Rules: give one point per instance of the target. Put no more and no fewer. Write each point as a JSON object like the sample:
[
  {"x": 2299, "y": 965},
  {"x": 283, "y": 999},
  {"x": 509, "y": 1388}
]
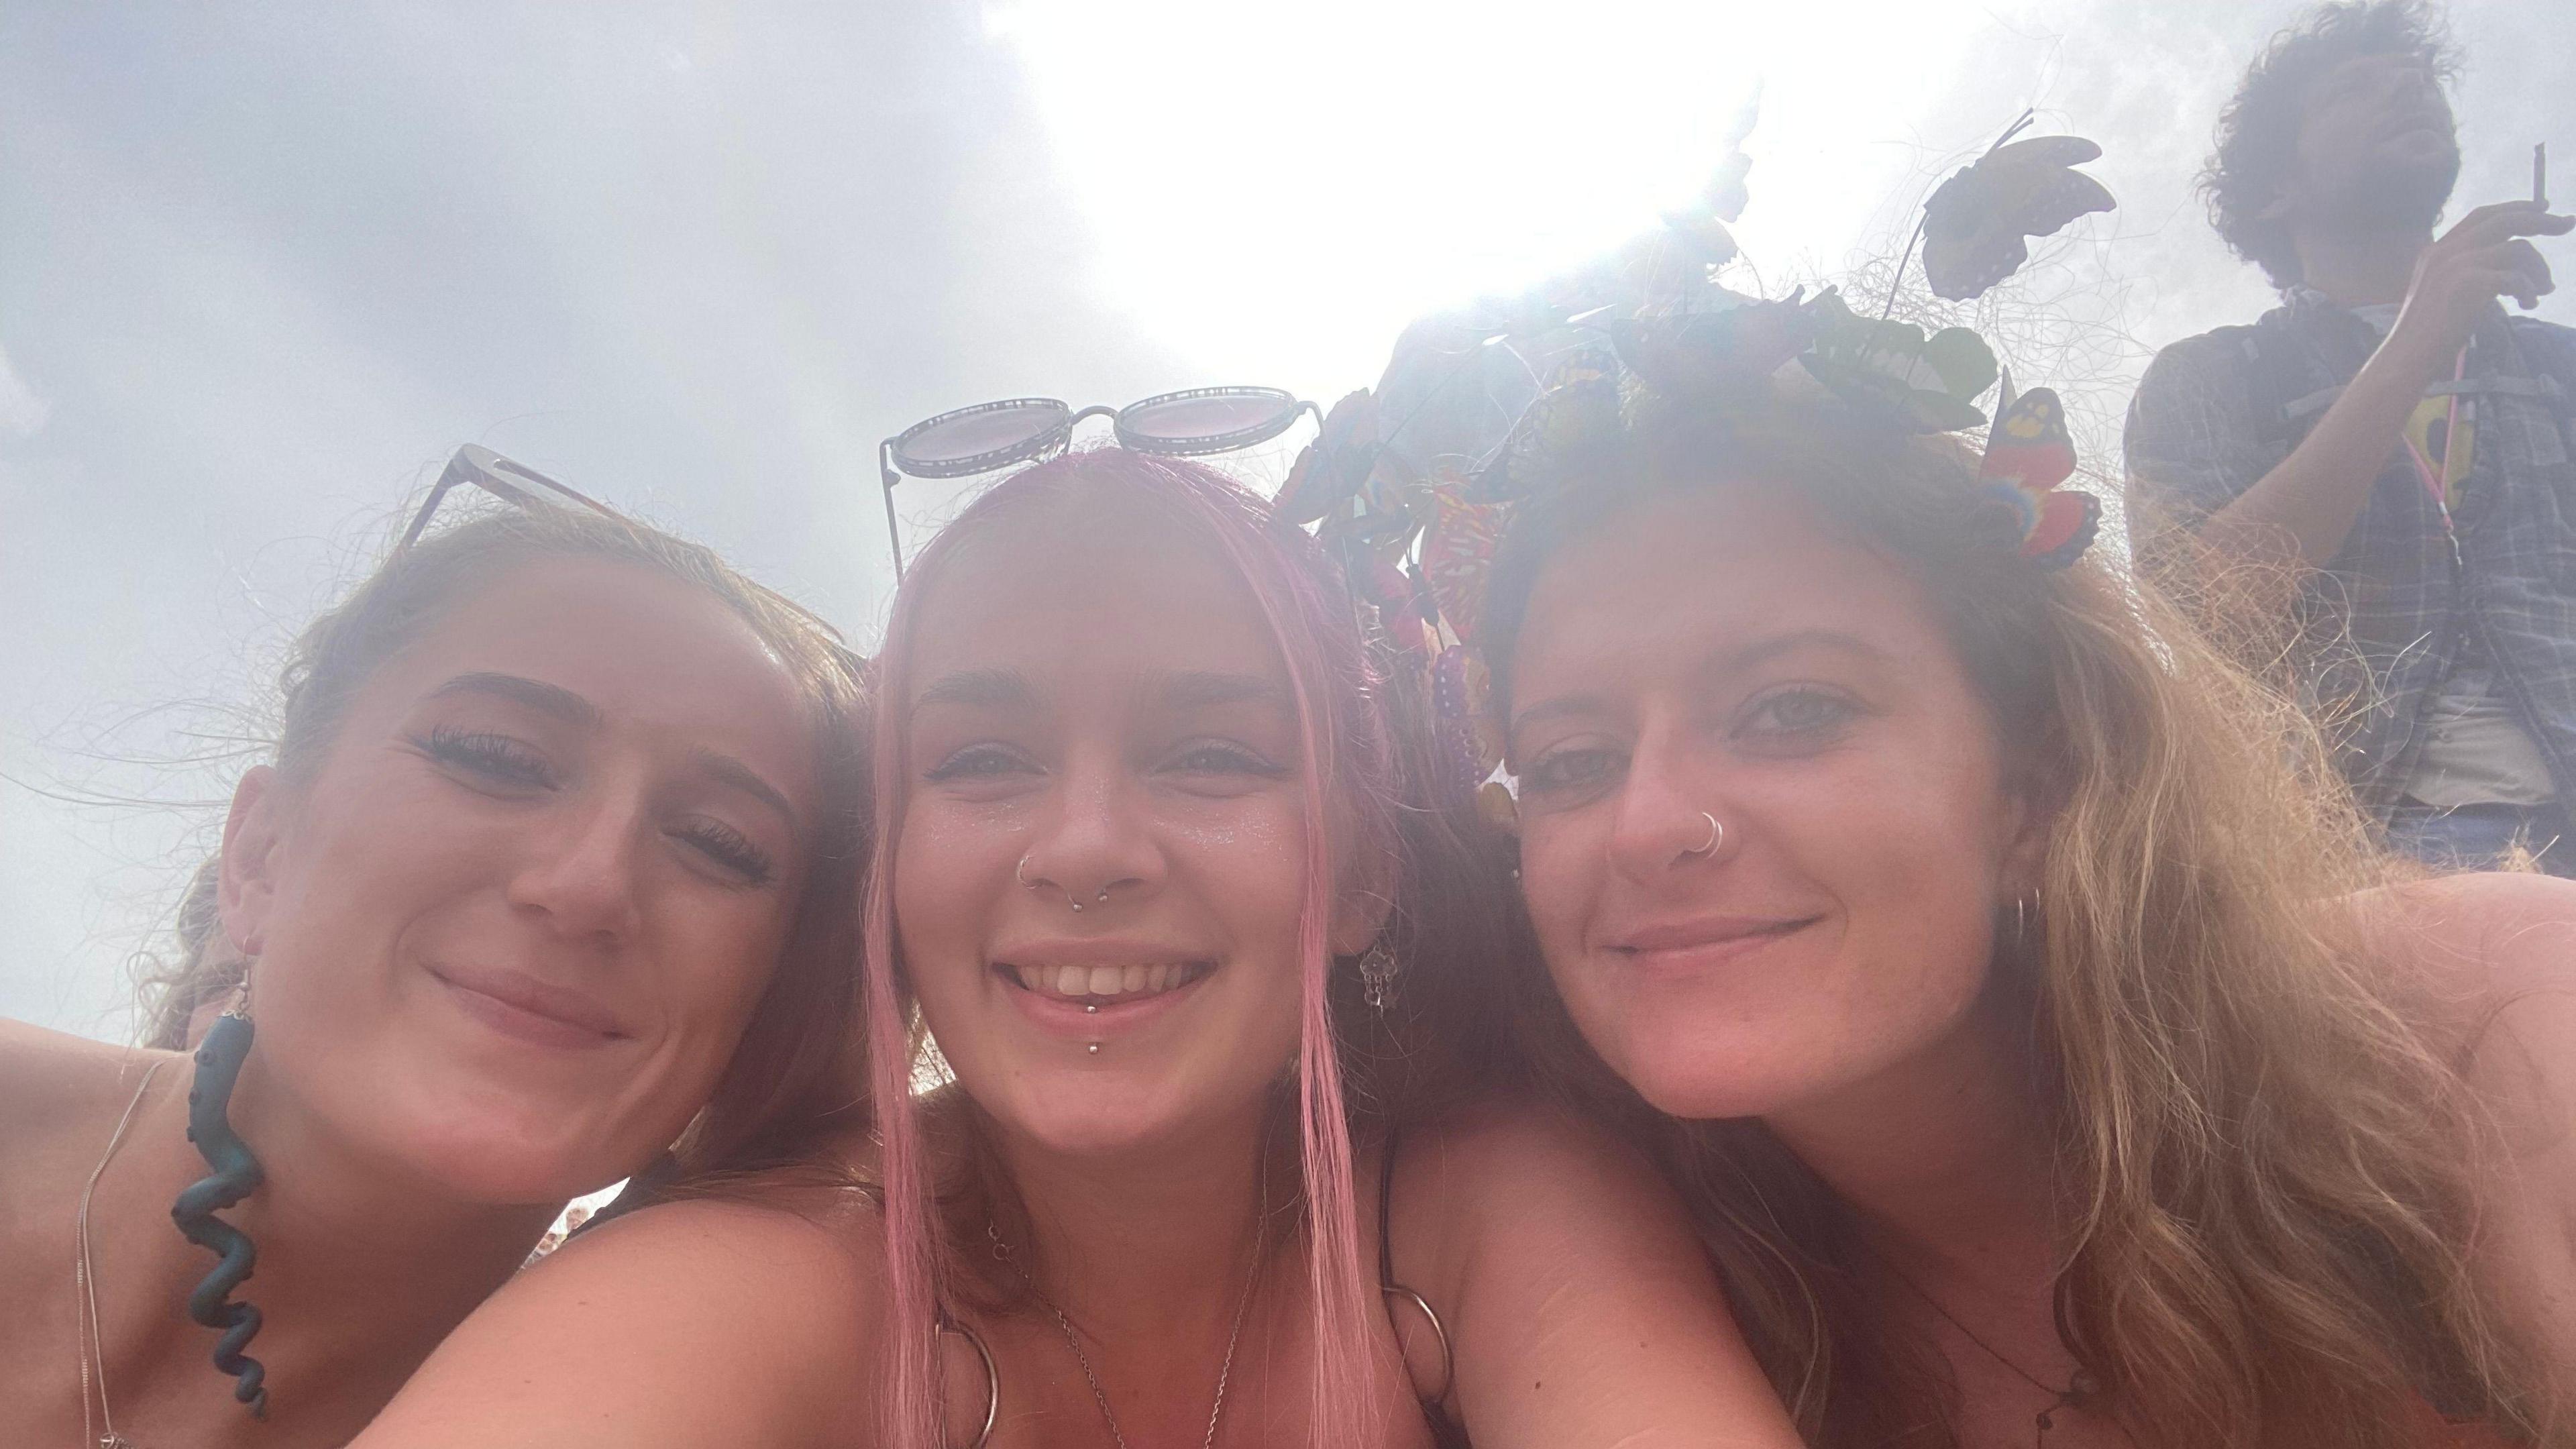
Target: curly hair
[
  {"x": 2265, "y": 1156},
  {"x": 2258, "y": 132}
]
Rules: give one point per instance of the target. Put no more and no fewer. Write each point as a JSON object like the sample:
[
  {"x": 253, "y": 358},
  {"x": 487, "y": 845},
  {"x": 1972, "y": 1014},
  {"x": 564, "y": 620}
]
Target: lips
[
  {"x": 538, "y": 1012},
  {"x": 1706, "y": 934}
]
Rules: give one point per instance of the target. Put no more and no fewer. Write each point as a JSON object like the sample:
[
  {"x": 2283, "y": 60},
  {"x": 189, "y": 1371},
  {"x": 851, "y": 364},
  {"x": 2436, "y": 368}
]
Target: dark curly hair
[{"x": 2258, "y": 133}]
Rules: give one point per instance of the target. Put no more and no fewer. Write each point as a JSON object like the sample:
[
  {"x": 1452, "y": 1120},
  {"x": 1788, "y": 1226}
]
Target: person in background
[{"x": 2389, "y": 441}]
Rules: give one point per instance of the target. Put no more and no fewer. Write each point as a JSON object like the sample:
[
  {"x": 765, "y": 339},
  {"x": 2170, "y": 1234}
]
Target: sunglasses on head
[
  {"x": 475, "y": 466},
  {"x": 995, "y": 435}
]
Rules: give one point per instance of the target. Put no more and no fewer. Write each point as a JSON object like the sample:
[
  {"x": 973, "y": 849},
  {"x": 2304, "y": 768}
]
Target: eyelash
[
  {"x": 985, "y": 761},
  {"x": 1548, "y": 773},
  {"x": 1843, "y": 710},
  {"x": 495, "y": 757},
  {"x": 731, "y": 849},
  {"x": 1233, "y": 760},
  {"x": 975, "y": 762},
  {"x": 508, "y": 762}
]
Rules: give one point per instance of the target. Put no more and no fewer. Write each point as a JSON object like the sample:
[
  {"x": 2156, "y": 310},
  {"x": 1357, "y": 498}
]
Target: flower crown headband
[{"x": 1412, "y": 485}]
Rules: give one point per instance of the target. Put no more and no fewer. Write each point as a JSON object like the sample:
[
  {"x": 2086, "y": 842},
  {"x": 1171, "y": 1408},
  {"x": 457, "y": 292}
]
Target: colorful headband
[{"x": 1410, "y": 486}]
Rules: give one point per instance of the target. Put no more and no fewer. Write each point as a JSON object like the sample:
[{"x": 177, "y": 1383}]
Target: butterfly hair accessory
[{"x": 2028, "y": 454}]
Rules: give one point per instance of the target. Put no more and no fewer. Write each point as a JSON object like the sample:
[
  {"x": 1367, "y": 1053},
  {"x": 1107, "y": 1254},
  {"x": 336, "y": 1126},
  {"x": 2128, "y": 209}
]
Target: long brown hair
[
  {"x": 2263, "y": 1149},
  {"x": 782, "y": 1080}
]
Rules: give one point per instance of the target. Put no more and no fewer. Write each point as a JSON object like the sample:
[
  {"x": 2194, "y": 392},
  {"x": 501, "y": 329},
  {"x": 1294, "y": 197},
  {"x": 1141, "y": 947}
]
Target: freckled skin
[
  {"x": 1884, "y": 827},
  {"x": 1097, "y": 784},
  {"x": 597, "y": 881}
]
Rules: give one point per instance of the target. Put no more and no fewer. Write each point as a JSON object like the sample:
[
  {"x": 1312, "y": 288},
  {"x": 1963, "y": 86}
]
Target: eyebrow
[
  {"x": 536, "y": 694},
  {"x": 978, "y": 689},
  {"x": 726, "y": 770},
  {"x": 1761, "y": 651}
]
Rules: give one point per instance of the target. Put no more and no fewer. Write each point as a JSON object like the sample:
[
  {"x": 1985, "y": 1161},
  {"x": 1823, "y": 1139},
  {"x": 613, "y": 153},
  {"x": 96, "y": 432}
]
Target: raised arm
[
  {"x": 1581, "y": 1306},
  {"x": 2187, "y": 423},
  {"x": 684, "y": 1325}
]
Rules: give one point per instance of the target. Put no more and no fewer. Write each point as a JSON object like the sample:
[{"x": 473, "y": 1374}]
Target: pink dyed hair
[{"x": 1344, "y": 735}]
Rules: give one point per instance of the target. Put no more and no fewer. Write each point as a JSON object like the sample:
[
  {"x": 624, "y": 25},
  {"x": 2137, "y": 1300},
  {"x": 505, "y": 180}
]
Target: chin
[
  {"x": 512, "y": 1151},
  {"x": 1694, "y": 1088},
  {"x": 1103, "y": 1108}
]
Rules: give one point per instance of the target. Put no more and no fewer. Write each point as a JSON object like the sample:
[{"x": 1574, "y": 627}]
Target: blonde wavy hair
[{"x": 2264, "y": 1141}]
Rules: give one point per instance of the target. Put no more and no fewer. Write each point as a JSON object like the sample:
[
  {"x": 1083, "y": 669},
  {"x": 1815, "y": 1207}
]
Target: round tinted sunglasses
[{"x": 995, "y": 435}]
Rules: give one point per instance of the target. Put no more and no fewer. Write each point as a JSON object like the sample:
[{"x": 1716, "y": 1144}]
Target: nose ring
[
  {"x": 1020, "y": 873},
  {"x": 1716, "y": 837}
]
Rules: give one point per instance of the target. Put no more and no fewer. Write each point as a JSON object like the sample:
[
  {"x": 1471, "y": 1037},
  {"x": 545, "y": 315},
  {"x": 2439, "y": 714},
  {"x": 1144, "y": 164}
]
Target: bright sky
[{"x": 266, "y": 265}]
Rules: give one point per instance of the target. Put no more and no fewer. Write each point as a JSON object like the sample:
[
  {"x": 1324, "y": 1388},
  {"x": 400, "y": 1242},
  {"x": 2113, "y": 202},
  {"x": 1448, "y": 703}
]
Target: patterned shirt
[{"x": 2217, "y": 412}]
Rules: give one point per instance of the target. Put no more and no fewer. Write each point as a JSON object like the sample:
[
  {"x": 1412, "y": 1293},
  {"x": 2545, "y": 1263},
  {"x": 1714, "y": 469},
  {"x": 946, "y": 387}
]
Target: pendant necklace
[
  {"x": 98, "y": 1432},
  {"x": 2081, "y": 1388},
  {"x": 1099, "y": 1395}
]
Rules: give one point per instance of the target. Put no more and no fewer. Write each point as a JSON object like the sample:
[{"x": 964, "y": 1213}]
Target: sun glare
[{"x": 1278, "y": 188}]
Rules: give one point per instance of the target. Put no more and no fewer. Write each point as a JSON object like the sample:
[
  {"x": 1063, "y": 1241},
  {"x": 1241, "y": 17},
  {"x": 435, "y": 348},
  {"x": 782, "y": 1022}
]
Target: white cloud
[{"x": 22, "y": 413}]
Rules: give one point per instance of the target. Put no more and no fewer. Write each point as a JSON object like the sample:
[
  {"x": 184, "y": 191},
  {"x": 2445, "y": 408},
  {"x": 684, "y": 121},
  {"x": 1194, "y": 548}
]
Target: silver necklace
[
  {"x": 1072, "y": 1340},
  {"x": 99, "y": 1432}
]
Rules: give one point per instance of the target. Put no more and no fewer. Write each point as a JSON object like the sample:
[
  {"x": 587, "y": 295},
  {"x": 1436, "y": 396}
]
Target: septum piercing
[
  {"x": 1020, "y": 873},
  {"x": 1716, "y": 837}
]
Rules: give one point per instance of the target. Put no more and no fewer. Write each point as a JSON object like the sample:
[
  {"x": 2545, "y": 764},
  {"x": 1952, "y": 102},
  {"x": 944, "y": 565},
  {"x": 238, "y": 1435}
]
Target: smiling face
[
  {"x": 1103, "y": 838},
  {"x": 2376, "y": 145},
  {"x": 512, "y": 925},
  {"x": 1716, "y": 654}
]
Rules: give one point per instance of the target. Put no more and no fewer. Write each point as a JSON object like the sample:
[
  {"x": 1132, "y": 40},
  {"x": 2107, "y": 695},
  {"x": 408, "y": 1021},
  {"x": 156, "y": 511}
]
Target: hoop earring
[
  {"x": 1377, "y": 974},
  {"x": 992, "y": 1374},
  {"x": 2022, "y": 915},
  {"x": 237, "y": 1174}
]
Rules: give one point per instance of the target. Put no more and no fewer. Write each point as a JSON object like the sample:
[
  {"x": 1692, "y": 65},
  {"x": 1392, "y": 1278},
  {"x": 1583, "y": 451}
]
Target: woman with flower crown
[
  {"x": 1162, "y": 875},
  {"x": 2044, "y": 1048}
]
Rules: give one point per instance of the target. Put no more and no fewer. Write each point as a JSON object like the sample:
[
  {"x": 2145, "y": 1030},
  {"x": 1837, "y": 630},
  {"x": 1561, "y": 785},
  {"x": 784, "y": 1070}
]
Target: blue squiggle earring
[{"x": 236, "y": 1176}]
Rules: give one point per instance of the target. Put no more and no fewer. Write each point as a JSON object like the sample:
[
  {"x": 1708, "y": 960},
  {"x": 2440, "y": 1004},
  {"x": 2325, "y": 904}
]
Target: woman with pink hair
[{"x": 1163, "y": 876}]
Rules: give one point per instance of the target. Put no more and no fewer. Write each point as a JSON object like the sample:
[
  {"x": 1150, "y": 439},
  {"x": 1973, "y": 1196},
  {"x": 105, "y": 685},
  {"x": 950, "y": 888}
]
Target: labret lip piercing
[{"x": 1020, "y": 873}]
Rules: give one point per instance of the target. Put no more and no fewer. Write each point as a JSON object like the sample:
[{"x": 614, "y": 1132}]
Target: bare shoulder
[
  {"x": 2481, "y": 939},
  {"x": 55, "y": 1085},
  {"x": 1515, "y": 1145},
  {"x": 1504, "y": 1175},
  {"x": 698, "y": 1321}
]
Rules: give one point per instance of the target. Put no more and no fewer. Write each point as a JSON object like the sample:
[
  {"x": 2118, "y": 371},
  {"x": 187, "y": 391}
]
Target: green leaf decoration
[
  {"x": 1966, "y": 364},
  {"x": 1926, "y": 385}
]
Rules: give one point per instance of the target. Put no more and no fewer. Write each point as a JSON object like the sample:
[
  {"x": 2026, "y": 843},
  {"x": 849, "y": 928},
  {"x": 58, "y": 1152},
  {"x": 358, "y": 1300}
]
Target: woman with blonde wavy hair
[{"x": 2043, "y": 1045}]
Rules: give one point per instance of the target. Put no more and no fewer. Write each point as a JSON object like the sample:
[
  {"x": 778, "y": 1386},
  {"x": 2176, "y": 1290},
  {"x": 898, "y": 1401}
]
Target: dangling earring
[
  {"x": 1377, "y": 974},
  {"x": 236, "y": 1176}
]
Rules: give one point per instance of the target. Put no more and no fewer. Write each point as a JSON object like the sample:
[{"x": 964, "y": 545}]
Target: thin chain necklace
[
  {"x": 99, "y": 1432},
  {"x": 1099, "y": 1395},
  {"x": 2081, "y": 1387}
]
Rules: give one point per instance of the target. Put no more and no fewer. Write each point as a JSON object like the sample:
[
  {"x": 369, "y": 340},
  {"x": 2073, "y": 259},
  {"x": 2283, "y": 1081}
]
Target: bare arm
[
  {"x": 685, "y": 1325},
  {"x": 2305, "y": 507},
  {"x": 1583, "y": 1310}
]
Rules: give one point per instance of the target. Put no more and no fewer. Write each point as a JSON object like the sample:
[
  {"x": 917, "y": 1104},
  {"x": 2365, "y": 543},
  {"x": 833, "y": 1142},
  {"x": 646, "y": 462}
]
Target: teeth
[{"x": 1100, "y": 981}]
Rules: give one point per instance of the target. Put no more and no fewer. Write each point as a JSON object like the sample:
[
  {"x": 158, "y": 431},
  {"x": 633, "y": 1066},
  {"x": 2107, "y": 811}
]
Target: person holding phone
[{"x": 2389, "y": 440}]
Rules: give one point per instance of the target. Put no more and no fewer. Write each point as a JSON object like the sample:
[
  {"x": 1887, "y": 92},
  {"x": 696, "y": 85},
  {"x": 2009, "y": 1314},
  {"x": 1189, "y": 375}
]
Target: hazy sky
[{"x": 263, "y": 267}]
